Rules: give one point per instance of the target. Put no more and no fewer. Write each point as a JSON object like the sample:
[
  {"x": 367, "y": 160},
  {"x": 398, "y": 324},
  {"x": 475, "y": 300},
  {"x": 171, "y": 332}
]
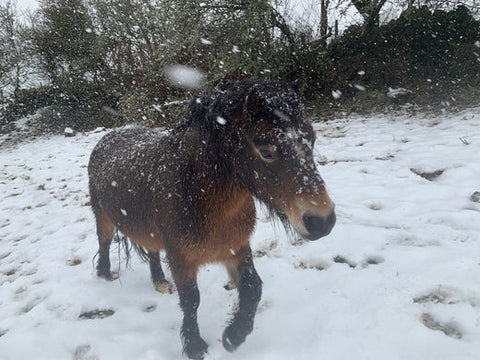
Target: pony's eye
[{"x": 267, "y": 154}]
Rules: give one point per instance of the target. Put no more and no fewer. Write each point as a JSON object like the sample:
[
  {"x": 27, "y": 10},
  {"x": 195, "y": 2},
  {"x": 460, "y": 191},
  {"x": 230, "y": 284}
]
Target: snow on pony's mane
[{"x": 227, "y": 100}]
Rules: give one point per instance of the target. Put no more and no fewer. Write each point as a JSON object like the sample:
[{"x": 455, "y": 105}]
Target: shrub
[
  {"x": 26, "y": 102},
  {"x": 416, "y": 46}
]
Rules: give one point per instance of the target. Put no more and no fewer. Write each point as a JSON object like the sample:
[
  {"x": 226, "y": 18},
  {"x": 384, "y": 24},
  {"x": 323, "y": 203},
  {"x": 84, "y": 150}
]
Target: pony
[{"x": 190, "y": 192}]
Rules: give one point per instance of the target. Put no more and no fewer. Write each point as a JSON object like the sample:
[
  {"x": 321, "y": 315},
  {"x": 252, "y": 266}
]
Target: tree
[
  {"x": 15, "y": 66},
  {"x": 472, "y": 5},
  {"x": 66, "y": 43},
  {"x": 324, "y": 21},
  {"x": 224, "y": 39},
  {"x": 130, "y": 34},
  {"x": 246, "y": 37},
  {"x": 370, "y": 10}
]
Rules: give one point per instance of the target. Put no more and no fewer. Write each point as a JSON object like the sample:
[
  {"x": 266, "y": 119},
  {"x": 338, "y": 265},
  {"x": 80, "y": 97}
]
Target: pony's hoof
[
  {"x": 197, "y": 349},
  {"x": 231, "y": 341},
  {"x": 110, "y": 276},
  {"x": 230, "y": 286},
  {"x": 164, "y": 287},
  {"x": 227, "y": 343}
]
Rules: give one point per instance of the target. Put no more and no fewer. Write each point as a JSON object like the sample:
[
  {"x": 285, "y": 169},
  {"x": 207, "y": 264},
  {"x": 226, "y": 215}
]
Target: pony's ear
[
  {"x": 299, "y": 85},
  {"x": 253, "y": 104}
]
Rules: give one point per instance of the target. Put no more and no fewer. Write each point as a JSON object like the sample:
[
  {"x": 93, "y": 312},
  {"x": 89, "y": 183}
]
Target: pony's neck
[{"x": 217, "y": 160}]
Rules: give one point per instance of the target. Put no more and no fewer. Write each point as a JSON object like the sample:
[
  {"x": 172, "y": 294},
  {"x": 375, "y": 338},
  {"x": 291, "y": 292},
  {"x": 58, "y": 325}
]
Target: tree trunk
[
  {"x": 324, "y": 22},
  {"x": 370, "y": 10}
]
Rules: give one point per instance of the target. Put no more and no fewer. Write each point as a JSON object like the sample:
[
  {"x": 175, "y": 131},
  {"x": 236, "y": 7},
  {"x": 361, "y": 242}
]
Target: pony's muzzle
[{"x": 318, "y": 226}]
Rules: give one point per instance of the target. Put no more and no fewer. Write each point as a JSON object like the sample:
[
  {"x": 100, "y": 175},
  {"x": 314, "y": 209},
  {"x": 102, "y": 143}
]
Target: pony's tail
[{"x": 127, "y": 247}]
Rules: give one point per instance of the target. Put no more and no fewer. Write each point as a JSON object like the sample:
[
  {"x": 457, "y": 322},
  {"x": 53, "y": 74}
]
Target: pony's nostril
[
  {"x": 313, "y": 223},
  {"x": 318, "y": 226}
]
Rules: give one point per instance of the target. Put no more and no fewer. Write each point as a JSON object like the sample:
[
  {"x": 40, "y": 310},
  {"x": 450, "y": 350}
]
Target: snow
[
  {"x": 398, "y": 273},
  {"x": 337, "y": 94},
  {"x": 221, "y": 120},
  {"x": 394, "y": 93},
  {"x": 184, "y": 76}
]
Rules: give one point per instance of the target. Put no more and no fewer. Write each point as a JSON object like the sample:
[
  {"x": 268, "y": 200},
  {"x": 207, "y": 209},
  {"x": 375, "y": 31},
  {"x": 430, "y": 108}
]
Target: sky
[
  {"x": 304, "y": 11},
  {"x": 299, "y": 11},
  {"x": 24, "y": 4}
]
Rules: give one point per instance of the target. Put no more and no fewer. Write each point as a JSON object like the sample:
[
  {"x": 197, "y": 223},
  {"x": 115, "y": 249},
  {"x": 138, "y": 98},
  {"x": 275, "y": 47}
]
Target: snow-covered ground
[{"x": 398, "y": 278}]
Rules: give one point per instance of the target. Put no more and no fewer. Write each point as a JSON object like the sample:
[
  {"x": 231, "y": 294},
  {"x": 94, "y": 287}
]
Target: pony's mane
[{"x": 228, "y": 99}]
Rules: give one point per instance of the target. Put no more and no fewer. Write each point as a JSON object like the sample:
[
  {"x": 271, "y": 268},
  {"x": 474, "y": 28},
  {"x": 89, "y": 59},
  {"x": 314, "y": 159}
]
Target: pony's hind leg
[
  {"x": 158, "y": 277},
  {"x": 234, "y": 280},
  {"x": 249, "y": 287},
  {"x": 105, "y": 232}
]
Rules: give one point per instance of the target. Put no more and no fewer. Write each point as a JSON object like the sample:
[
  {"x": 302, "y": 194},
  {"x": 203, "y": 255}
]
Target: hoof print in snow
[
  {"x": 267, "y": 246},
  {"x": 297, "y": 241},
  {"x": 149, "y": 308},
  {"x": 343, "y": 260},
  {"x": 436, "y": 297},
  {"x": 475, "y": 197},
  {"x": 449, "y": 329},
  {"x": 29, "y": 306},
  {"x": 3, "y": 332},
  {"x": 428, "y": 175},
  {"x": 260, "y": 253},
  {"x": 84, "y": 352},
  {"x": 375, "y": 205},
  {"x": 74, "y": 262},
  {"x": 10, "y": 272},
  {"x": 373, "y": 260},
  {"x": 385, "y": 158},
  {"x": 4, "y": 256},
  {"x": 316, "y": 266},
  {"x": 96, "y": 314}
]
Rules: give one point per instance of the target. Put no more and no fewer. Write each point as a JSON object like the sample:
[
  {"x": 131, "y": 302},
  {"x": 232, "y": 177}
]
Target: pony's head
[{"x": 277, "y": 155}]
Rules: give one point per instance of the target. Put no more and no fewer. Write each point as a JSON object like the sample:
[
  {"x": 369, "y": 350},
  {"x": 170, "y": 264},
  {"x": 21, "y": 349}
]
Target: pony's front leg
[
  {"x": 249, "y": 287},
  {"x": 185, "y": 279},
  {"x": 193, "y": 345}
]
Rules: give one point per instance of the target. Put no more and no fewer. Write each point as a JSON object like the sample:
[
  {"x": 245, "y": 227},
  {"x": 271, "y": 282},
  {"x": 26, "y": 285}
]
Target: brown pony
[{"x": 191, "y": 192}]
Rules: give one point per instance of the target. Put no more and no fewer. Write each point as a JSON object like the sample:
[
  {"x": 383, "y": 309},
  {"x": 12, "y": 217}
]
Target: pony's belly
[{"x": 148, "y": 239}]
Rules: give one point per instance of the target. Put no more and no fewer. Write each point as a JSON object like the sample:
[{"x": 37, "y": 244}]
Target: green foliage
[
  {"x": 26, "y": 101},
  {"x": 87, "y": 109},
  {"x": 429, "y": 42},
  {"x": 226, "y": 40},
  {"x": 419, "y": 45},
  {"x": 138, "y": 108},
  {"x": 105, "y": 59},
  {"x": 15, "y": 55},
  {"x": 65, "y": 41}
]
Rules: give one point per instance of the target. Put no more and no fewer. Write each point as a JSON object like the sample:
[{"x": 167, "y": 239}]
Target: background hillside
[{"x": 89, "y": 63}]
